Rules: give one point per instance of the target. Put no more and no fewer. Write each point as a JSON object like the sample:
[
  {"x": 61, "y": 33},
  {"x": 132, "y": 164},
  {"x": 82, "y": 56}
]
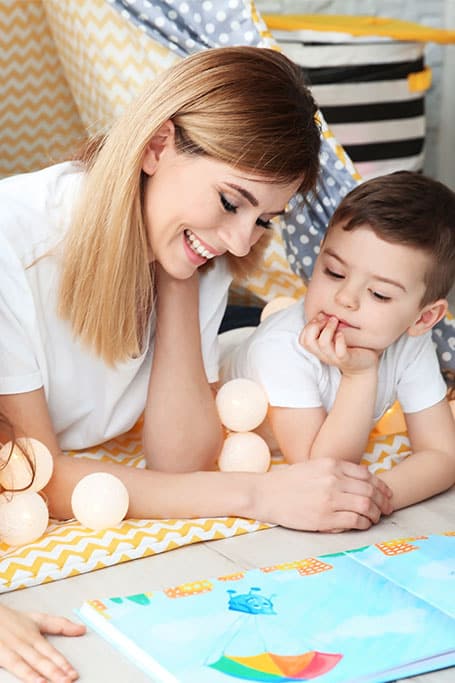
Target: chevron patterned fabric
[{"x": 39, "y": 121}]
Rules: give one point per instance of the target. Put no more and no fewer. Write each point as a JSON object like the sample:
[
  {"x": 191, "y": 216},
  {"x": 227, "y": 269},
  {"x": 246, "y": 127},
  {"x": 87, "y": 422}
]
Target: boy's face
[{"x": 374, "y": 288}]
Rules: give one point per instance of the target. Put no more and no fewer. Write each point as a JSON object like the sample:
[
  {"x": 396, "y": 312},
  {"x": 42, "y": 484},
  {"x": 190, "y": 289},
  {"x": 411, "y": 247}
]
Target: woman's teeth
[{"x": 196, "y": 246}]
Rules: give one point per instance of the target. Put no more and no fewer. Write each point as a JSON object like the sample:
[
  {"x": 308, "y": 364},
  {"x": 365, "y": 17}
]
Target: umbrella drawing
[{"x": 268, "y": 666}]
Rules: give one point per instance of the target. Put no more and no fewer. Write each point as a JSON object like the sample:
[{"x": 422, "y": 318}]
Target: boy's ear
[
  {"x": 429, "y": 316},
  {"x": 163, "y": 138}
]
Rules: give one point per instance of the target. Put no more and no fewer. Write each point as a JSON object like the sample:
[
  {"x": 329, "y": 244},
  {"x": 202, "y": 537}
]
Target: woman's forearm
[
  {"x": 182, "y": 431},
  {"x": 314, "y": 496}
]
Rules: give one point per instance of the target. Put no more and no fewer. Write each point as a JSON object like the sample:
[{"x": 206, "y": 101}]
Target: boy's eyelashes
[
  {"x": 332, "y": 273},
  {"x": 380, "y": 297},
  {"x": 339, "y": 276},
  {"x": 232, "y": 208}
]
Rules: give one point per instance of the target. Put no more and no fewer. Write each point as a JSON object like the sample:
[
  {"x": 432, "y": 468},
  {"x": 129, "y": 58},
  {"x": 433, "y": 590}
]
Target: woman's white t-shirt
[
  {"x": 294, "y": 378},
  {"x": 89, "y": 402}
]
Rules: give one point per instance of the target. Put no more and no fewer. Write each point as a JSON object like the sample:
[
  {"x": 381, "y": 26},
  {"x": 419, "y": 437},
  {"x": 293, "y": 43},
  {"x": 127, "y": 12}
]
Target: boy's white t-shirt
[
  {"x": 294, "y": 378},
  {"x": 89, "y": 402}
]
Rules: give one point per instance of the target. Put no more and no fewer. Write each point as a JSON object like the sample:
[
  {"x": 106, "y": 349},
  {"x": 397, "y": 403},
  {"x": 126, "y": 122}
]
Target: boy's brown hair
[{"x": 411, "y": 209}]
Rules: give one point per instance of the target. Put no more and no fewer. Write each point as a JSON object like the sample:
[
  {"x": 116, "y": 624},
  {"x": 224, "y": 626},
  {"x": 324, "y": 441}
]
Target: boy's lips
[{"x": 341, "y": 322}]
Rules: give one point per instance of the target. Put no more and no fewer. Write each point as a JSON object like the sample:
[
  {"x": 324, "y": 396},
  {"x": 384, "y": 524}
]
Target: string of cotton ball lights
[
  {"x": 242, "y": 406},
  {"x": 99, "y": 500},
  {"x": 23, "y": 513}
]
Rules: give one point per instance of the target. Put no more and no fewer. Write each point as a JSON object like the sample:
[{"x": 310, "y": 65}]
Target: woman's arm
[
  {"x": 182, "y": 430},
  {"x": 25, "y": 652},
  {"x": 431, "y": 467},
  {"x": 313, "y": 496}
]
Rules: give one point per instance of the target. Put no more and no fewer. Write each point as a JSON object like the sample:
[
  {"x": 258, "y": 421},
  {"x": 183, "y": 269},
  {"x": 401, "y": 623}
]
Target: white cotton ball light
[
  {"x": 17, "y": 473},
  {"x": 99, "y": 501},
  {"x": 242, "y": 404},
  {"x": 277, "y": 304},
  {"x": 23, "y": 517},
  {"x": 244, "y": 452}
]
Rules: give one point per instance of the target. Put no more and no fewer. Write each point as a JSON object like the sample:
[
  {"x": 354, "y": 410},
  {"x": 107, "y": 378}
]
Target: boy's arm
[
  {"x": 303, "y": 433},
  {"x": 431, "y": 467},
  {"x": 343, "y": 433}
]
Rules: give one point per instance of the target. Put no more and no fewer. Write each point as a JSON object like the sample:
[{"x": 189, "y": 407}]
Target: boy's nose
[{"x": 347, "y": 297}]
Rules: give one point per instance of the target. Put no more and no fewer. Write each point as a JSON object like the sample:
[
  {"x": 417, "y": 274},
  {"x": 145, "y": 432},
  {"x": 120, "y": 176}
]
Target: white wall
[{"x": 440, "y": 100}]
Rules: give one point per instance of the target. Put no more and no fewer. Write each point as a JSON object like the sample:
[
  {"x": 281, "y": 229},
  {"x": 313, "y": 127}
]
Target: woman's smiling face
[{"x": 197, "y": 208}]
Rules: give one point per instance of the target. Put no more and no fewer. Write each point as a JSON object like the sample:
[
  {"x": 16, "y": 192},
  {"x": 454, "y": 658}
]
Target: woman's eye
[
  {"x": 227, "y": 206},
  {"x": 332, "y": 273},
  {"x": 380, "y": 297},
  {"x": 264, "y": 224}
]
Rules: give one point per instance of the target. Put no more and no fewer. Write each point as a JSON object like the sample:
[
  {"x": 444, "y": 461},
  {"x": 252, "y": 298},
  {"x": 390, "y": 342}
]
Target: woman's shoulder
[
  {"x": 39, "y": 179},
  {"x": 35, "y": 205}
]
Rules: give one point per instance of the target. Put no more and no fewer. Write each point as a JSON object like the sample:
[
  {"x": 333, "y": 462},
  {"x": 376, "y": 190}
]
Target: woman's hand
[
  {"x": 25, "y": 652},
  {"x": 322, "y": 495},
  {"x": 322, "y": 338}
]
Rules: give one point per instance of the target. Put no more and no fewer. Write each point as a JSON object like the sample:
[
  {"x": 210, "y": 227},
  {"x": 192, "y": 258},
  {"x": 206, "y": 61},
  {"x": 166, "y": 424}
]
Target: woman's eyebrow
[
  {"x": 252, "y": 199},
  {"x": 248, "y": 196}
]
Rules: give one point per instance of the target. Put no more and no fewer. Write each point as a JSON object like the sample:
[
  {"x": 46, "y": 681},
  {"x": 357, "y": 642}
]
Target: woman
[
  {"x": 115, "y": 272},
  {"x": 24, "y": 651}
]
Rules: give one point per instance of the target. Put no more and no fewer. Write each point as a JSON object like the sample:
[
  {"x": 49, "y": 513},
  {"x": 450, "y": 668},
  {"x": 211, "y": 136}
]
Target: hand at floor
[{"x": 25, "y": 652}]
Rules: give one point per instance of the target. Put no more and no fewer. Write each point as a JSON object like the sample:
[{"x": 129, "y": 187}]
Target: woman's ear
[
  {"x": 429, "y": 316},
  {"x": 162, "y": 139}
]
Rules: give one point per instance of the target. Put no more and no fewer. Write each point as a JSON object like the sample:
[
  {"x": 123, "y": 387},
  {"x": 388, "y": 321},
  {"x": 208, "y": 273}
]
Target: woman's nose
[{"x": 239, "y": 238}]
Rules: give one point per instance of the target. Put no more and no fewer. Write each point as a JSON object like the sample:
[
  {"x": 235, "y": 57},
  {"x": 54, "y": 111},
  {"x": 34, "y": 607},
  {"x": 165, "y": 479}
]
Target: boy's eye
[
  {"x": 227, "y": 206},
  {"x": 332, "y": 273},
  {"x": 264, "y": 224},
  {"x": 380, "y": 297}
]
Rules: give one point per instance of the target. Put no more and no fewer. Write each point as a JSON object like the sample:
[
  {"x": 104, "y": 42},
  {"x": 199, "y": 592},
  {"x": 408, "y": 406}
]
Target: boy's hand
[{"x": 321, "y": 338}]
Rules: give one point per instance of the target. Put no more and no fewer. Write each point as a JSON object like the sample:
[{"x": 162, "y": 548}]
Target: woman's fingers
[
  {"x": 375, "y": 487},
  {"x": 323, "y": 495}
]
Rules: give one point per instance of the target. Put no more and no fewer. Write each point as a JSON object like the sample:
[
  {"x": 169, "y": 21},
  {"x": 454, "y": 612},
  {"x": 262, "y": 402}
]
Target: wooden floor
[{"x": 97, "y": 662}]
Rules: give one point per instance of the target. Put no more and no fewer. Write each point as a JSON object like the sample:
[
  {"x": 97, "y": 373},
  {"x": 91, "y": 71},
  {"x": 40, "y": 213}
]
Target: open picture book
[{"x": 376, "y": 613}]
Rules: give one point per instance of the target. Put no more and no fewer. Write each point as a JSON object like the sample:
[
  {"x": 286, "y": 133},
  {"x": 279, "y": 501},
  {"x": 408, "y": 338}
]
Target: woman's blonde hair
[{"x": 245, "y": 106}]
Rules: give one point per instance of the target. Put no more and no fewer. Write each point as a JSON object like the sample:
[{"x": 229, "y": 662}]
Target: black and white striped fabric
[{"x": 362, "y": 87}]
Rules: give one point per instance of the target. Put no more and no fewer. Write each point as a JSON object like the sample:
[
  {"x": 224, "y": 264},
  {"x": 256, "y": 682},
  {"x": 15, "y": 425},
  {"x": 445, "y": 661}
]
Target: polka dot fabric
[{"x": 188, "y": 26}]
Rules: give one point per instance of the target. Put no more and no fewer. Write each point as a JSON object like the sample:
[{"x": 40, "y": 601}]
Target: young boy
[{"x": 379, "y": 285}]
